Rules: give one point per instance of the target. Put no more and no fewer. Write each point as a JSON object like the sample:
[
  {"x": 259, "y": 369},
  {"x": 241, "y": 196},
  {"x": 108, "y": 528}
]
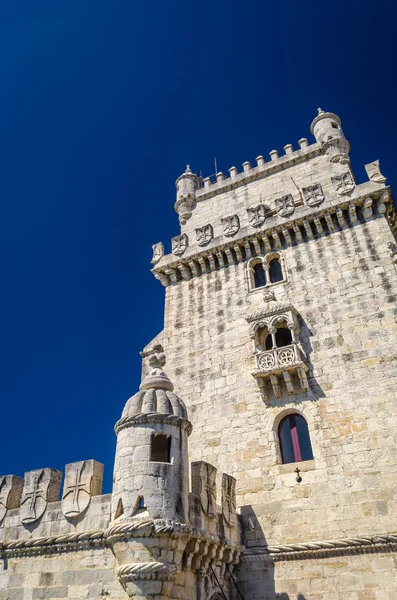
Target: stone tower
[
  {"x": 151, "y": 471},
  {"x": 280, "y": 334}
]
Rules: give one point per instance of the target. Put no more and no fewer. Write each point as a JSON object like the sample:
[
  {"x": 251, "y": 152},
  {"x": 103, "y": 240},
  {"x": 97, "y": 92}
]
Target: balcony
[{"x": 281, "y": 362}]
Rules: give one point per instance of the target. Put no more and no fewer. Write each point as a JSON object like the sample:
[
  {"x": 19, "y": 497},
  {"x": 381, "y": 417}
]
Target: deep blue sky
[{"x": 102, "y": 104}]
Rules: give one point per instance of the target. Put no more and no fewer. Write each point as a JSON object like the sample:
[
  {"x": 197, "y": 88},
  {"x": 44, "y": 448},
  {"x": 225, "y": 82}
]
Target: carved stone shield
[
  {"x": 40, "y": 487},
  {"x": 231, "y": 225},
  {"x": 82, "y": 480},
  {"x": 285, "y": 205},
  {"x": 179, "y": 244},
  {"x": 204, "y": 235},
  {"x": 158, "y": 252},
  {"x": 10, "y": 493},
  {"x": 344, "y": 183},
  {"x": 256, "y": 215},
  {"x": 204, "y": 486},
  {"x": 313, "y": 194},
  {"x": 229, "y": 499}
]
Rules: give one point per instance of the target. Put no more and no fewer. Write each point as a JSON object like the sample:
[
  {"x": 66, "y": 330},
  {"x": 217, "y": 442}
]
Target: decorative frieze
[{"x": 288, "y": 234}]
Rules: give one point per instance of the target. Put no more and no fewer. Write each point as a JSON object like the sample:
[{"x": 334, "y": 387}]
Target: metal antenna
[{"x": 216, "y": 166}]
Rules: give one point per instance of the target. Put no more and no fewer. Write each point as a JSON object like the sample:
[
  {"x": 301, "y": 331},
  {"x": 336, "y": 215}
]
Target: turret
[
  {"x": 151, "y": 465},
  {"x": 327, "y": 130},
  {"x": 187, "y": 185}
]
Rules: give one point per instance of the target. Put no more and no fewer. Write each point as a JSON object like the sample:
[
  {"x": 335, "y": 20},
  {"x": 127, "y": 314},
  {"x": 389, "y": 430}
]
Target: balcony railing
[{"x": 279, "y": 359}]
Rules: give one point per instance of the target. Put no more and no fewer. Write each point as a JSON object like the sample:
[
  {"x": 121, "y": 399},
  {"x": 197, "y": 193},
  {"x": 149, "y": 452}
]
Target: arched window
[
  {"x": 275, "y": 271},
  {"x": 160, "y": 450},
  {"x": 259, "y": 275},
  {"x": 283, "y": 337},
  {"x": 293, "y": 434}
]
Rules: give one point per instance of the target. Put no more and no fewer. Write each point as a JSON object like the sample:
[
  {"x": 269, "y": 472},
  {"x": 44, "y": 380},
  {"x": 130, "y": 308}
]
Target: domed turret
[
  {"x": 151, "y": 465},
  {"x": 327, "y": 130},
  {"x": 187, "y": 185}
]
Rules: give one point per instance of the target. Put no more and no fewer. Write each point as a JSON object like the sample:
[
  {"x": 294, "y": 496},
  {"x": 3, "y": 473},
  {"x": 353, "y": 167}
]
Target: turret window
[
  {"x": 265, "y": 270},
  {"x": 160, "y": 448},
  {"x": 275, "y": 271},
  {"x": 294, "y": 438},
  {"x": 259, "y": 275}
]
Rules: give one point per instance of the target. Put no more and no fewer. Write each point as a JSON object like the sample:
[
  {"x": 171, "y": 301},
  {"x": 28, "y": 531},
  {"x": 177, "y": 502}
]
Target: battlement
[
  {"x": 303, "y": 194},
  {"x": 30, "y": 508},
  {"x": 262, "y": 169}
]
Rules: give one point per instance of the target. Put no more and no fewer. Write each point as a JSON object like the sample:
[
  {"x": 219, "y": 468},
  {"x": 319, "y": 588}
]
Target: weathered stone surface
[{"x": 317, "y": 528}]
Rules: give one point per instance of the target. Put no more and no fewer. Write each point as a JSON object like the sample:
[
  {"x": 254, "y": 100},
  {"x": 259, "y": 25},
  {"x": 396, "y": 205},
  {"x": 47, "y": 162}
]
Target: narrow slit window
[
  {"x": 259, "y": 275},
  {"x": 275, "y": 271},
  {"x": 294, "y": 437},
  {"x": 160, "y": 448}
]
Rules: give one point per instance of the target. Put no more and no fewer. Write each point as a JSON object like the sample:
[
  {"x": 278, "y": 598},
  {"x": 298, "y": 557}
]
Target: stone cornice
[
  {"x": 347, "y": 211},
  {"x": 154, "y": 417},
  {"x": 100, "y": 538},
  {"x": 357, "y": 545}
]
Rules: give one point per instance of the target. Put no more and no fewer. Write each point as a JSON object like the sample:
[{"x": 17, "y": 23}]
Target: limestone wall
[
  {"x": 74, "y": 570},
  {"x": 344, "y": 288}
]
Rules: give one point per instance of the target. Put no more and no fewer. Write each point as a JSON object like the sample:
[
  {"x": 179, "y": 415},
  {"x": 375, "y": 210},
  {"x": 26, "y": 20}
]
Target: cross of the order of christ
[{"x": 76, "y": 487}]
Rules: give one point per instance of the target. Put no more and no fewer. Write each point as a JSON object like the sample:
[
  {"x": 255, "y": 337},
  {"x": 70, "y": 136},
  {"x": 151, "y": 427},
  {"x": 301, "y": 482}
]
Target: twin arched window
[
  {"x": 294, "y": 438},
  {"x": 264, "y": 271}
]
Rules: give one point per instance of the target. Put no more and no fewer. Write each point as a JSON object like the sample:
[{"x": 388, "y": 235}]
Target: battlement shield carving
[
  {"x": 204, "y": 486},
  {"x": 158, "y": 252},
  {"x": 344, "y": 183},
  {"x": 229, "y": 499},
  {"x": 231, "y": 225},
  {"x": 204, "y": 235},
  {"x": 82, "y": 481},
  {"x": 313, "y": 194},
  {"x": 256, "y": 215},
  {"x": 10, "y": 493},
  {"x": 40, "y": 487},
  {"x": 179, "y": 244},
  {"x": 285, "y": 205}
]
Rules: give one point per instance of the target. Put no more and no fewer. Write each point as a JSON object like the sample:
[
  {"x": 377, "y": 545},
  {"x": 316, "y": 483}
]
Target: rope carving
[
  {"x": 148, "y": 570},
  {"x": 330, "y": 545}
]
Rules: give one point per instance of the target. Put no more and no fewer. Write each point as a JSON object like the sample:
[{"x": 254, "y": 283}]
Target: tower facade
[
  {"x": 280, "y": 334},
  {"x": 270, "y": 471}
]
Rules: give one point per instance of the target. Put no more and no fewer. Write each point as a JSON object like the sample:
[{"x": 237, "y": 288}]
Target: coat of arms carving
[
  {"x": 204, "y": 486},
  {"x": 82, "y": 481},
  {"x": 10, "y": 493},
  {"x": 229, "y": 499},
  {"x": 231, "y": 225},
  {"x": 313, "y": 194},
  {"x": 344, "y": 183},
  {"x": 179, "y": 244},
  {"x": 285, "y": 205},
  {"x": 158, "y": 252},
  {"x": 256, "y": 215},
  {"x": 204, "y": 235},
  {"x": 40, "y": 487}
]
